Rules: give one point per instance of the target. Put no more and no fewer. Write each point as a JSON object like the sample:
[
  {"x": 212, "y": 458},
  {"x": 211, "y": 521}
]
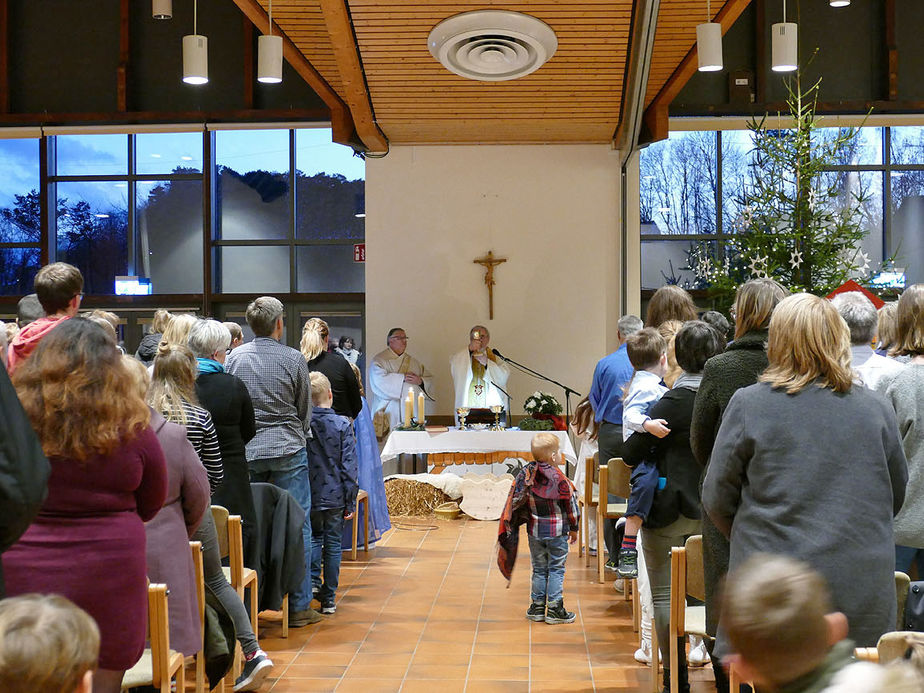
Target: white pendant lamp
[
  {"x": 195, "y": 54},
  {"x": 838, "y": 3},
  {"x": 269, "y": 55},
  {"x": 162, "y": 9},
  {"x": 709, "y": 43},
  {"x": 784, "y": 46}
]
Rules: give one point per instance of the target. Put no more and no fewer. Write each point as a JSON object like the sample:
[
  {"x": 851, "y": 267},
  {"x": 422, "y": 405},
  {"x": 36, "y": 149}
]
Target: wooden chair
[
  {"x": 734, "y": 680},
  {"x": 362, "y": 499},
  {"x": 902, "y": 587},
  {"x": 195, "y": 548},
  {"x": 159, "y": 665},
  {"x": 587, "y": 500},
  {"x": 686, "y": 578},
  {"x": 614, "y": 479},
  {"x": 231, "y": 544}
]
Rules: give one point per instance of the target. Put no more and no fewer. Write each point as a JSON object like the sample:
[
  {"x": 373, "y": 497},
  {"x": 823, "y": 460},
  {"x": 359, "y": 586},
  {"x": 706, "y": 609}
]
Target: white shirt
[
  {"x": 645, "y": 389},
  {"x": 876, "y": 372}
]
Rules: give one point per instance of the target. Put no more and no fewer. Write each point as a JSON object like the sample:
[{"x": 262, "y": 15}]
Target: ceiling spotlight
[
  {"x": 709, "y": 43},
  {"x": 269, "y": 55},
  {"x": 195, "y": 54},
  {"x": 162, "y": 9},
  {"x": 838, "y": 3},
  {"x": 784, "y": 45}
]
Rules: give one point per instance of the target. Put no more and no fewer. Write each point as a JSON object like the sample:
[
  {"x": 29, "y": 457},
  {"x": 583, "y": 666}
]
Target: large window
[
  {"x": 281, "y": 209},
  {"x": 692, "y": 184}
]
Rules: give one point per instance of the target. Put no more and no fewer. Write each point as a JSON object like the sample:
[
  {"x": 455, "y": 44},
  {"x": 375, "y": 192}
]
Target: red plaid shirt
[{"x": 552, "y": 518}]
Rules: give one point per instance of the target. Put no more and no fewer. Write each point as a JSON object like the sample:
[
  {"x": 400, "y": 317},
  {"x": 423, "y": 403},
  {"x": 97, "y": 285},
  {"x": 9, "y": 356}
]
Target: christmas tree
[{"x": 797, "y": 224}]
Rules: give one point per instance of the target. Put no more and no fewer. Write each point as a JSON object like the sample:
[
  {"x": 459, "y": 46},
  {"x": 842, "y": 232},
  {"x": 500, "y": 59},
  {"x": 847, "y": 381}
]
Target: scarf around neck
[
  {"x": 209, "y": 366},
  {"x": 690, "y": 381}
]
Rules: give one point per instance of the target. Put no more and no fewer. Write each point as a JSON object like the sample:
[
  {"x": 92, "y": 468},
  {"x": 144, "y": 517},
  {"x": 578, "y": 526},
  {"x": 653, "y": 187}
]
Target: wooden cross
[{"x": 489, "y": 261}]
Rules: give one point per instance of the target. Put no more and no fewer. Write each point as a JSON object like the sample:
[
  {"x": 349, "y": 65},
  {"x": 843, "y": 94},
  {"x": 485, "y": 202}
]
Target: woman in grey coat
[{"x": 808, "y": 466}]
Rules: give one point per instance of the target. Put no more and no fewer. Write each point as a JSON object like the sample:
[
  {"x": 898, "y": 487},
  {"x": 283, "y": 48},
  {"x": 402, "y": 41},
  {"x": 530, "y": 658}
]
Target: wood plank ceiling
[{"x": 575, "y": 97}]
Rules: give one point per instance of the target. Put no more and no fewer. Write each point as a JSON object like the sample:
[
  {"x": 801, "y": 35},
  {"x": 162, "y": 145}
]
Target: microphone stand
[{"x": 540, "y": 376}]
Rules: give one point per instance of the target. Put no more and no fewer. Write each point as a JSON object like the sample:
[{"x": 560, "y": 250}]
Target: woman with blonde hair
[
  {"x": 668, "y": 330},
  {"x": 739, "y": 366},
  {"x": 670, "y": 302},
  {"x": 808, "y": 465},
  {"x": 344, "y": 385},
  {"x": 108, "y": 477},
  {"x": 905, "y": 393},
  {"x": 173, "y": 394}
]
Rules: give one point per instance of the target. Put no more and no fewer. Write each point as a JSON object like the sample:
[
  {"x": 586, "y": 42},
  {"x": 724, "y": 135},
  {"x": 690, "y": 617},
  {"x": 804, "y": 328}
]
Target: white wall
[{"x": 550, "y": 210}]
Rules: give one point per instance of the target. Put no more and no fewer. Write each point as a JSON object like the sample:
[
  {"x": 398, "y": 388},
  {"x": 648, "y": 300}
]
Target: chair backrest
[
  {"x": 696, "y": 584},
  {"x": 159, "y": 633},
  {"x": 220, "y": 516},
  {"x": 195, "y": 548},
  {"x": 618, "y": 475},
  {"x": 590, "y": 468},
  {"x": 902, "y": 587}
]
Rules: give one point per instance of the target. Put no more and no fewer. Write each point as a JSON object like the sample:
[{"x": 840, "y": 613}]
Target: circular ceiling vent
[{"x": 492, "y": 45}]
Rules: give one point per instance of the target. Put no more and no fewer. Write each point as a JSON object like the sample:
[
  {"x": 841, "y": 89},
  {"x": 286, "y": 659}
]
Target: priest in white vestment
[
  {"x": 393, "y": 372},
  {"x": 476, "y": 373}
]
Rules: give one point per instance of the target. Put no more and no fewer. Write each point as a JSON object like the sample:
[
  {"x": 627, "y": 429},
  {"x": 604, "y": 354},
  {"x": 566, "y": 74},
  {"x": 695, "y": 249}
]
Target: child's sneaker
[
  {"x": 628, "y": 563},
  {"x": 699, "y": 655},
  {"x": 643, "y": 653},
  {"x": 610, "y": 565},
  {"x": 556, "y": 613},
  {"x": 329, "y": 608},
  {"x": 536, "y": 612}
]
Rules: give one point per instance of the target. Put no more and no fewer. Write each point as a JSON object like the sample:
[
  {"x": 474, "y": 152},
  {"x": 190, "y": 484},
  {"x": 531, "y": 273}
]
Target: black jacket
[
  {"x": 282, "y": 560},
  {"x": 673, "y": 457},
  {"x": 343, "y": 383},
  {"x": 227, "y": 400},
  {"x": 24, "y": 471}
]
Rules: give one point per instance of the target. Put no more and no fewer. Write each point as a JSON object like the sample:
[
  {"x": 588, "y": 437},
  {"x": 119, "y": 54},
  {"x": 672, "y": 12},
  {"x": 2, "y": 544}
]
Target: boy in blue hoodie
[{"x": 333, "y": 472}]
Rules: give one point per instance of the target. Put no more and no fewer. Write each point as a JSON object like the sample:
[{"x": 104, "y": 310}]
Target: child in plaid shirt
[{"x": 552, "y": 519}]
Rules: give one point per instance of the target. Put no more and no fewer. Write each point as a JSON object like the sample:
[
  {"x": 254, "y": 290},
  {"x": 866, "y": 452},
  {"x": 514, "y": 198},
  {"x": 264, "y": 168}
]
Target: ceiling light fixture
[
  {"x": 838, "y": 3},
  {"x": 492, "y": 45},
  {"x": 709, "y": 43},
  {"x": 195, "y": 53},
  {"x": 162, "y": 9},
  {"x": 269, "y": 55},
  {"x": 784, "y": 47}
]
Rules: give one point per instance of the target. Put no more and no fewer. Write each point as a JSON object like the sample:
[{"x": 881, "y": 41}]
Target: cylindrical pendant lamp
[
  {"x": 162, "y": 9},
  {"x": 709, "y": 46},
  {"x": 838, "y": 3},
  {"x": 269, "y": 59},
  {"x": 195, "y": 59},
  {"x": 785, "y": 47}
]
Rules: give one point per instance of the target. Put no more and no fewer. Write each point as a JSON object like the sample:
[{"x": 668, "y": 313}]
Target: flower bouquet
[{"x": 542, "y": 406}]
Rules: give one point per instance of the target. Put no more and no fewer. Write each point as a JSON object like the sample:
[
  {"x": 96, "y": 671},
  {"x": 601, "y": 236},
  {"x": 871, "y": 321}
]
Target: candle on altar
[
  {"x": 421, "y": 412},
  {"x": 409, "y": 408}
]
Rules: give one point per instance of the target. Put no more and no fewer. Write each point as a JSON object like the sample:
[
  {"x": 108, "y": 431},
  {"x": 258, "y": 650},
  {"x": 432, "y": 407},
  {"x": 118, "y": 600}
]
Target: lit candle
[
  {"x": 421, "y": 413},
  {"x": 408, "y": 408}
]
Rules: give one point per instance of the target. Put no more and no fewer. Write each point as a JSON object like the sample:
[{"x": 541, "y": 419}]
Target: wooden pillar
[
  {"x": 124, "y": 53},
  {"x": 891, "y": 51}
]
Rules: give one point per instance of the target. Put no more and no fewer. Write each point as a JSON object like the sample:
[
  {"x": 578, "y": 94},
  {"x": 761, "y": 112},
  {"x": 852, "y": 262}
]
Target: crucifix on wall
[{"x": 489, "y": 262}]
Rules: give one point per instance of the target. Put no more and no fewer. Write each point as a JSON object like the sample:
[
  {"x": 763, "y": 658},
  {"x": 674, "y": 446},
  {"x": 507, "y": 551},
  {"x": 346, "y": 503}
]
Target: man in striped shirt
[{"x": 276, "y": 377}]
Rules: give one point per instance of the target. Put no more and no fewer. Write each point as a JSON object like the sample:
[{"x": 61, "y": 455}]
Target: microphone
[{"x": 498, "y": 354}]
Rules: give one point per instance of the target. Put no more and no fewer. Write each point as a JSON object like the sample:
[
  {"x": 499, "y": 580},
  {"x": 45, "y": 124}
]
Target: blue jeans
[
  {"x": 905, "y": 556},
  {"x": 291, "y": 473},
  {"x": 548, "y": 557},
  {"x": 327, "y": 535},
  {"x": 644, "y": 482}
]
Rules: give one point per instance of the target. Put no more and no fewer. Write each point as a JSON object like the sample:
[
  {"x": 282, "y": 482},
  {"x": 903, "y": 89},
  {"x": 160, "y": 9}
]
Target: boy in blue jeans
[
  {"x": 333, "y": 472},
  {"x": 552, "y": 519},
  {"x": 647, "y": 351}
]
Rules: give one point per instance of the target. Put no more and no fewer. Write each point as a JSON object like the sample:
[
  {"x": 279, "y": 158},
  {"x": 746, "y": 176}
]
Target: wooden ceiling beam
[
  {"x": 346, "y": 52},
  {"x": 656, "y": 114},
  {"x": 340, "y": 118}
]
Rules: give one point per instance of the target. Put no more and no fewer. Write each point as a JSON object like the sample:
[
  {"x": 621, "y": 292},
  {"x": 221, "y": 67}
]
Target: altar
[{"x": 446, "y": 448}]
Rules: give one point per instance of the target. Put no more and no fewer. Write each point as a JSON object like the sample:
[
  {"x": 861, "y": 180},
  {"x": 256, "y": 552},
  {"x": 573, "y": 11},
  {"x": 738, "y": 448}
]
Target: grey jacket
[
  {"x": 818, "y": 476},
  {"x": 906, "y": 393}
]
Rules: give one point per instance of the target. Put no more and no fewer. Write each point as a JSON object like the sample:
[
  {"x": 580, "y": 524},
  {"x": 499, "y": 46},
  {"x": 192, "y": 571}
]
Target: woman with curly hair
[{"x": 108, "y": 477}]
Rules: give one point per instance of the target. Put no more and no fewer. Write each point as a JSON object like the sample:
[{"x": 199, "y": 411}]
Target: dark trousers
[
  {"x": 644, "y": 482},
  {"x": 609, "y": 441}
]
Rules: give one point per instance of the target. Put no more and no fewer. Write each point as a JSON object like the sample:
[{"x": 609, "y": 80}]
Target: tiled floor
[{"x": 429, "y": 611}]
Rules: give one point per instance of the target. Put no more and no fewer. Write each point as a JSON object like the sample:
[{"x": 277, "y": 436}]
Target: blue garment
[
  {"x": 291, "y": 473},
  {"x": 326, "y": 532},
  {"x": 370, "y": 481},
  {"x": 209, "y": 366},
  {"x": 643, "y": 392},
  {"x": 644, "y": 482},
  {"x": 610, "y": 377},
  {"x": 332, "y": 465},
  {"x": 548, "y": 557}
]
